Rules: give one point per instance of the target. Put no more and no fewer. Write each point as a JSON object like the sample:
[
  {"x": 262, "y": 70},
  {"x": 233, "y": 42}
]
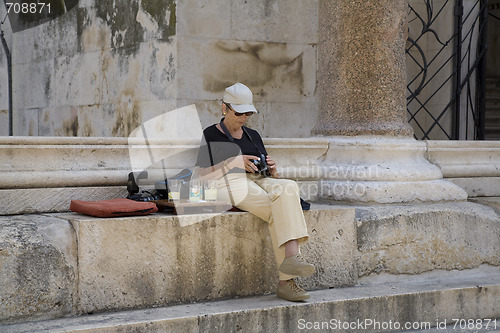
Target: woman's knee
[
  {"x": 292, "y": 187},
  {"x": 286, "y": 187}
]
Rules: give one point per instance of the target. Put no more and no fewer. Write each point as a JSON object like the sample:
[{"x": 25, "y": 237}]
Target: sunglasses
[{"x": 238, "y": 114}]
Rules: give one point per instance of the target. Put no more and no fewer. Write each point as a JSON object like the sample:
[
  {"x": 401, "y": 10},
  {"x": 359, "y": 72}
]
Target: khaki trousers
[{"x": 276, "y": 201}]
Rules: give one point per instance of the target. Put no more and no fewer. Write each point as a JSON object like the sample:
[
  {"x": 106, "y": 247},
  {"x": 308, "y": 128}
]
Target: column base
[{"x": 374, "y": 169}]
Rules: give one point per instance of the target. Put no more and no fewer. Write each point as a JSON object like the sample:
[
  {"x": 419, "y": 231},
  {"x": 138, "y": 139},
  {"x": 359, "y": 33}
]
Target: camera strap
[
  {"x": 230, "y": 137},
  {"x": 226, "y": 131}
]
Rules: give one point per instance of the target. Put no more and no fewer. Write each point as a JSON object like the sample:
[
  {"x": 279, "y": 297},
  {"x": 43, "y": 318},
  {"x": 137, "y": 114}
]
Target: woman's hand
[
  {"x": 243, "y": 162},
  {"x": 273, "y": 170}
]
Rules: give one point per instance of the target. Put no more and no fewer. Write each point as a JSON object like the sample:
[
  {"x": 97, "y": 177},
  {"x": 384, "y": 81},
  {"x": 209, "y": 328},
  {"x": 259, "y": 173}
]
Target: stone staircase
[
  {"x": 415, "y": 264},
  {"x": 435, "y": 301},
  {"x": 492, "y": 113},
  {"x": 405, "y": 262}
]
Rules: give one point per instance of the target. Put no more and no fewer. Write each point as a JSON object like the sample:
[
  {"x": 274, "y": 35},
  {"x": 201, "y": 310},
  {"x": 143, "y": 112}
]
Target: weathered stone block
[
  {"x": 51, "y": 40},
  {"x": 479, "y": 186},
  {"x": 280, "y": 119},
  {"x": 276, "y": 72},
  {"x": 290, "y": 21},
  {"x": 398, "y": 306},
  {"x": 28, "y": 122},
  {"x": 38, "y": 268},
  {"x": 44, "y": 200},
  {"x": 493, "y": 202},
  {"x": 161, "y": 259},
  {"x": 104, "y": 60},
  {"x": 332, "y": 248},
  {"x": 211, "y": 19},
  {"x": 420, "y": 238},
  {"x": 462, "y": 159},
  {"x": 4, "y": 95},
  {"x": 32, "y": 93},
  {"x": 129, "y": 23},
  {"x": 4, "y": 119}
]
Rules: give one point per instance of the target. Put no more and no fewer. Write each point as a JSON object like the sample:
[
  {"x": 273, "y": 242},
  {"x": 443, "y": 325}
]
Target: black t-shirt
[{"x": 217, "y": 147}]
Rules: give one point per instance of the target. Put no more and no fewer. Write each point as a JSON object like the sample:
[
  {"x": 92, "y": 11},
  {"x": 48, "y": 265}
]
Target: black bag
[
  {"x": 161, "y": 187},
  {"x": 184, "y": 176},
  {"x": 133, "y": 188},
  {"x": 305, "y": 205}
]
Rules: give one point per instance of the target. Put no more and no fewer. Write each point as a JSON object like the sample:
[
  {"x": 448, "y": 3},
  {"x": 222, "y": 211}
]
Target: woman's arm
[
  {"x": 218, "y": 170},
  {"x": 213, "y": 172}
]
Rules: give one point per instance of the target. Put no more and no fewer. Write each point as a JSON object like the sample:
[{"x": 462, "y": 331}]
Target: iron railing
[{"x": 446, "y": 51}]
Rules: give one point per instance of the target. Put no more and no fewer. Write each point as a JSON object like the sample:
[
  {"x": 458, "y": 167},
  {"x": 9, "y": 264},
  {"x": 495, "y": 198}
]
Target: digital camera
[{"x": 262, "y": 167}]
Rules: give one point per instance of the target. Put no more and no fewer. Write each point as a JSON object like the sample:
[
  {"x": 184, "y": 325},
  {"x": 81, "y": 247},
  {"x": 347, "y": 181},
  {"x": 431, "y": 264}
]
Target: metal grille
[{"x": 446, "y": 68}]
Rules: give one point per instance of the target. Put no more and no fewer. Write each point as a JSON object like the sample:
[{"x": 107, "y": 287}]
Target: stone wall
[{"x": 105, "y": 67}]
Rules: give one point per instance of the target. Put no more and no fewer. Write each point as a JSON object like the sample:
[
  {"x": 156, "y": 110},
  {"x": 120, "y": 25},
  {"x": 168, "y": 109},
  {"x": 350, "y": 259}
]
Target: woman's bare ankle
[{"x": 291, "y": 248}]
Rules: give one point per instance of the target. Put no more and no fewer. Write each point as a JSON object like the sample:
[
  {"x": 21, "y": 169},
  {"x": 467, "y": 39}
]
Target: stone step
[
  {"x": 492, "y": 120},
  {"x": 492, "y": 107},
  {"x": 492, "y": 82},
  {"x": 492, "y": 131},
  {"x": 493, "y": 95},
  {"x": 438, "y": 300},
  {"x": 114, "y": 264},
  {"x": 493, "y": 85},
  {"x": 492, "y": 111}
]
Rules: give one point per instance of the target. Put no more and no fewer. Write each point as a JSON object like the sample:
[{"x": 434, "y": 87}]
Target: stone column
[
  {"x": 362, "y": 68},
  {"x": 372, "y": 155}
]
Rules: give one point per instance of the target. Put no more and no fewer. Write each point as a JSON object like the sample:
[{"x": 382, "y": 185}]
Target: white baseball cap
[{"x": 240, "y": 97}]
